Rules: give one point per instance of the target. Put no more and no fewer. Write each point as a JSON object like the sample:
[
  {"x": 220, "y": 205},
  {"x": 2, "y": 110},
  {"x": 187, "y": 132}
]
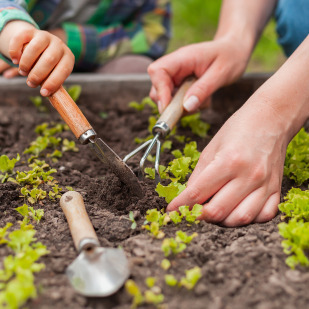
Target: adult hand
[
  {"x": 215, "y": 64},
  {"x": 241, "y": 169},
  {"x": 6, "y": 70},
  {"x": 46, "y": 60}
]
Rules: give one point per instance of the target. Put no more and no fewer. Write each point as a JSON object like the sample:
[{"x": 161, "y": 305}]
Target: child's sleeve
[
  {"x": 147, "y": 33},
  {"x": 13, "y": 10}
]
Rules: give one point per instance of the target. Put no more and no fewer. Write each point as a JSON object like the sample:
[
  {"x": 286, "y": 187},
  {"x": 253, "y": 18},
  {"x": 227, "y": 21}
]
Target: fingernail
[
  {"x": 191, "y": 104},
  {"x": 30, "y": 84},
  {"x": 14, "y": 60},
  {"x": 22, "y": 73},
  {"x": 44, "y": 92},
  {"x": 160, "y": 106}
]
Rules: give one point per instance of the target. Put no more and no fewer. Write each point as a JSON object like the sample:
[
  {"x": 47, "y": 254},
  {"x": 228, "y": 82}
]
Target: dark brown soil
[{"x": 242, "y": 267}]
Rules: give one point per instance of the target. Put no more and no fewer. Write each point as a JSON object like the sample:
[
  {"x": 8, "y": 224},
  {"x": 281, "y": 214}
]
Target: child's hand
[
  {"x": 215, "y": 63},
  {"x": 6, "y": 70},
  {"x": 46, "y": 59}
]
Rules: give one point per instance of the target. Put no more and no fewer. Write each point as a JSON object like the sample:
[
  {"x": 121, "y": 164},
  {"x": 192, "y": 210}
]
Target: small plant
[
  {"x": 172, "y": 246},
  {"x": 38, "y": 103},
  {"x": 132, "y": 219},
  {"x": 145, "y": 102},
  {"x": 296, "y": 164},
  {"x": 69, "y": 146},
  {"x": 29, "y": 212},
  {"x": 7, "y": 166},
  {"x": 193, "y": 275},
  {"x": 33, "y": 195},
  {"x": 170, "y": 191},
  {"x": 191, "y": 215},
  {"x": 170, "y": 280},
  {"x": 165, "y": 264},
  {"x": 74, "y": 92},
  {"x": 198, "y": 127}
]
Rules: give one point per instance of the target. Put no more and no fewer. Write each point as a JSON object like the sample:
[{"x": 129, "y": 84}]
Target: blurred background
[{"x": 196, "y": 21}]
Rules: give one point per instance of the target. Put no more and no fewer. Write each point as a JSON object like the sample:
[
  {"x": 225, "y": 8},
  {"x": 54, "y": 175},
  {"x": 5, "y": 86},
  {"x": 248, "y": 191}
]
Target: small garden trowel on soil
[
  {"x": 83, "y": 131},
  {"x": 97, "y": 271}
]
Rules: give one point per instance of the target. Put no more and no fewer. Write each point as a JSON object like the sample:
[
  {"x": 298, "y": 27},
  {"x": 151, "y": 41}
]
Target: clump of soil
[{"x": 242, "y": 267}]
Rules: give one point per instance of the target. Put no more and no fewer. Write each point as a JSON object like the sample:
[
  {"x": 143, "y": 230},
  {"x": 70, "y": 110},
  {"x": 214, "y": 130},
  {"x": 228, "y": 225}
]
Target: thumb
[{"x": 202, "y": 89}]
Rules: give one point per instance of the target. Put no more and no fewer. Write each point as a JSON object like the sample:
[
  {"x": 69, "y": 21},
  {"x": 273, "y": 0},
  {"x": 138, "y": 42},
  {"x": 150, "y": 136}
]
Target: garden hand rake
[{"x": 163, "y": 126}]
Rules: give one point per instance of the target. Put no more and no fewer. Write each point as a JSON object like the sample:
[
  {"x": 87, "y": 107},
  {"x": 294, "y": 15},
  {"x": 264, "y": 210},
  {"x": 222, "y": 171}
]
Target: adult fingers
[
  {"x": 209, "y": 82},
  {"x": 205, "y": 186},
  {"x": 11, "y": 72},
  {"x": 247, "y": 210},
  {"x": 32, "y": 52},
  {"x": 46, "y": 63},
  {"x": 227, "y": 200},
  {"x": 270, "y": 209},
  {"x": 58, "y": 75}
]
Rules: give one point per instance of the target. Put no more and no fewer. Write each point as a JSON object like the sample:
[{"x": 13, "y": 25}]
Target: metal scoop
[
  {"x": 97, "y": 271},
  {"x": 163, "y": 126},
  {"x": 83, "y": 131}
]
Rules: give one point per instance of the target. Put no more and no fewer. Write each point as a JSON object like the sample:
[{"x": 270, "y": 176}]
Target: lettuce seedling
[
  {"x": 172, "y": 246},
  {"x": 150, "y": 172},
  {"x": 33, "y": 195},
  {"x": 145, "y": 102},
  {"x": 150, "y": 282},
  {"x": 38, "y": 103},
  {"x": 296, "y": 242},
  {"x": 153, "y": 298},
  {"x": 132, "y": 219},
  {"x": 296, "y": 204},
  {"x": 4, "y": 232},
  {"x": 29, "y": 212},
  {"x": 191, "y": 215},
  {"x": 198, "y": 127},
  {"x": 175, "y": 217},
  {"x": 133, "y": 290},
  {"x": 193, "y": 275},
  {"x": 69, "y": 146},
  {"x": 170, "y": 280},
  {"x": 296, "y": 164},
  {"x": 165, "y": 264},
  {"x": 170, "y": 191},
  {"x": 7, "y": 165},
  {"x": 74, "y": 92},
  {"x": 154, "y": 229},
  {"x": 180, "y": 168},
  {"x": 183, "y": 237}
]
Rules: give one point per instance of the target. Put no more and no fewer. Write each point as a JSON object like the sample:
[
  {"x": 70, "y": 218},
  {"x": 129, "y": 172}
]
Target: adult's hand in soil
[
  {"x": 7, "y": 71},
  {"x": 215, "y": 64},
  {"x": 46, "y": 60},
  {"x": 241, "y": 169}
]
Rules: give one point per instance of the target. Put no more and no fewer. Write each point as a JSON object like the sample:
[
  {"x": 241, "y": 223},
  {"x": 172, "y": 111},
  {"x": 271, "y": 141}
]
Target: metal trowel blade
[
  {"x": 100, "y": 272},
  {"x": 116, "y": 165}
]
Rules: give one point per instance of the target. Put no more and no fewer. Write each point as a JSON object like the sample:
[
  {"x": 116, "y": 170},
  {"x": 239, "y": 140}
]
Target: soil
[{"x": 242, "y": 267}]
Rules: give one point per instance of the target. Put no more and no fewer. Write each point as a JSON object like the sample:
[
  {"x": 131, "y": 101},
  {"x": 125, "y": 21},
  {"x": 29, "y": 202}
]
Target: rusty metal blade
[{"x": 116, "y": 165}]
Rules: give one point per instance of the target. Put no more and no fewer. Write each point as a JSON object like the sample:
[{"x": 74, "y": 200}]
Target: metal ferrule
[
  {"x": 89, "y": 134},
  {"x": 88, "y": 243},
  {"x": 161, "y": 127}
]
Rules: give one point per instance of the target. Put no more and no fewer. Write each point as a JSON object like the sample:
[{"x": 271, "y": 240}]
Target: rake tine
[
  {"x": 157, "y": 163},
  {"x": 144, "y": 157},
  {"x": 134, "y": 152}
]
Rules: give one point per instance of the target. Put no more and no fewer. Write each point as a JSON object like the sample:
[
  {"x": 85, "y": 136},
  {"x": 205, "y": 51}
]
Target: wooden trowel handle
[
  {"x": 73, "y": 206},
  {"x": 174, "y": 110},
  {"x": 69, "y": 112}
]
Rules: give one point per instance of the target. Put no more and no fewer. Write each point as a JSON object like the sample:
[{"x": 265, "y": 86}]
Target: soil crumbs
[{"x": 242, "y": 267}]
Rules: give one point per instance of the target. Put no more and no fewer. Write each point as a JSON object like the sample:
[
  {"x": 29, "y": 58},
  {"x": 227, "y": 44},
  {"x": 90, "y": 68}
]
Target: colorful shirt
[{"x": 98, "y": 30}]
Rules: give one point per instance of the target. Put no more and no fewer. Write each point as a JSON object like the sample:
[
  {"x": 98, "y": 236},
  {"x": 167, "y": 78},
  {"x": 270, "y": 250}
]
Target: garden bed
[{"x": 241, "y": 267}]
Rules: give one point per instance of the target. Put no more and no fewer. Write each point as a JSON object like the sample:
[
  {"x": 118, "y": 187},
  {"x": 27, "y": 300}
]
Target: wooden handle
[
  {"x": 70, "y": 112},
  {"x": 174, "y": 110},
  {"x": 73, "y": 206}
]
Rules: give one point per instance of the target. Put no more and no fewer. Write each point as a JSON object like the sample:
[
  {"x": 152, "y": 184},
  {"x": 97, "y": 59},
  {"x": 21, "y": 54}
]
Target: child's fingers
[
  {"x": 3, "y": 66},
  {"x": 58, "y": 76},
  {"x": 44, "y": 66},
  {"x": 17, "y": 43},
  {"x": 32, "y": 52},
  {"x": 10, "y": 73}
]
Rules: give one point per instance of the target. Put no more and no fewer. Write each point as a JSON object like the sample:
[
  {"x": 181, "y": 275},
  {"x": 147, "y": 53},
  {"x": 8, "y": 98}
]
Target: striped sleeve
[
  {"x": 147, "y": 33},
  {"x": 13, "y": 10}
]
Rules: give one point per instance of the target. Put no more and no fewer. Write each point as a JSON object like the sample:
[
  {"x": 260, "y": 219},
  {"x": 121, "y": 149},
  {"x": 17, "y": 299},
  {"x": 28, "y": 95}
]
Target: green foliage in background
[{"x": 196, "y": 21}]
